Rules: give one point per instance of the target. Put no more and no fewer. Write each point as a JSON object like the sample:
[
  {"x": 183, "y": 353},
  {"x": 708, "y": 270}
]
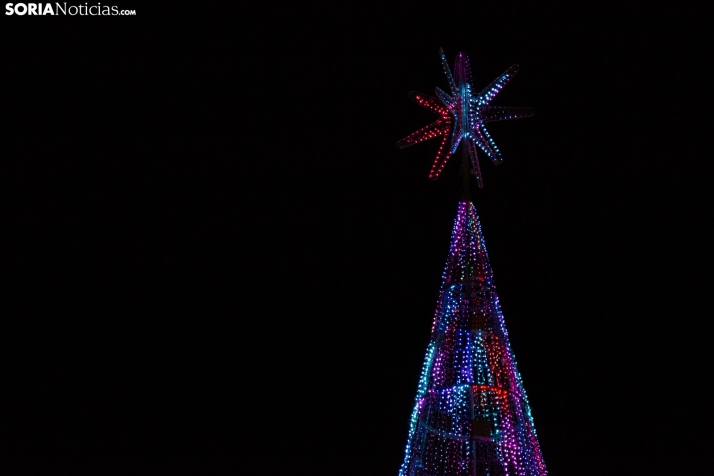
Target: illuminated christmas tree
[{"x": 471, "y": 415}]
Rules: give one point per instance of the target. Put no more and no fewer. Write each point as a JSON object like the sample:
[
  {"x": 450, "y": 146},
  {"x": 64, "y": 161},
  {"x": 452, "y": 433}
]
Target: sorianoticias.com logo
[{"x": 58, "y": 8}]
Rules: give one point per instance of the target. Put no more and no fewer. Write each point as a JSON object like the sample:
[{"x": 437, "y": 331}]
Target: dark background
[{"x": 221, "y": 264}]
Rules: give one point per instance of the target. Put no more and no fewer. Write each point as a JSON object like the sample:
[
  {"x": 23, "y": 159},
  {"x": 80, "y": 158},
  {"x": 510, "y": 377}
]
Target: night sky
[{"x": 220, "y": 263}]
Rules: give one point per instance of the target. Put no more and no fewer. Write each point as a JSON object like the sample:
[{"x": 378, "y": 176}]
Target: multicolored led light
[
  {"x": 462, "y": 116},
  {"x": 471, "y": 415}
]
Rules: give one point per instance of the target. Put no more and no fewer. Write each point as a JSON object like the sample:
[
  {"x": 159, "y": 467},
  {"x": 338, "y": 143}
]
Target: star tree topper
[{"x": 463, "y": 115}]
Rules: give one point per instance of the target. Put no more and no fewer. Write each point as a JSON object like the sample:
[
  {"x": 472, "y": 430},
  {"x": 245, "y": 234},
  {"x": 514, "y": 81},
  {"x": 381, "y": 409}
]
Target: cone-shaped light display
[{"x": 471, "y": 415}]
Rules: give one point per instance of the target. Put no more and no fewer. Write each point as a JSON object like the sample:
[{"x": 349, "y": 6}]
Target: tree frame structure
[{"x": 471, "y": 415}]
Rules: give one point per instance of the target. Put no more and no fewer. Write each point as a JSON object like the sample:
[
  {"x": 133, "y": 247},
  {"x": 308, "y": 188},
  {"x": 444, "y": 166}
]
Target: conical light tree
[{"x": 471, "y": 415}]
